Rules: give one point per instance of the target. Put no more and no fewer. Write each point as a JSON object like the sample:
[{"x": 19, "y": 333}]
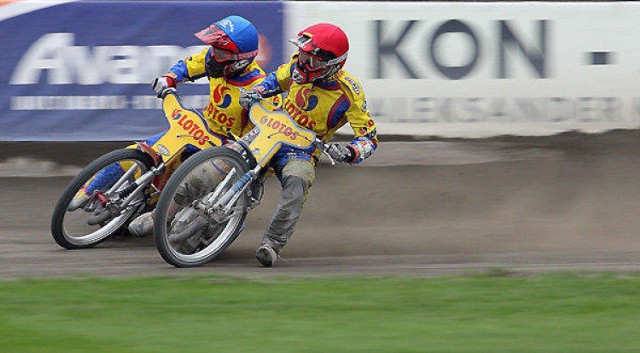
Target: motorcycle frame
[{"x": 186, "y": 125}]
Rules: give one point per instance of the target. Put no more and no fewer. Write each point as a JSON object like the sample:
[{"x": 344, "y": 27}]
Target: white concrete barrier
[{"x": 482, "y": 69}]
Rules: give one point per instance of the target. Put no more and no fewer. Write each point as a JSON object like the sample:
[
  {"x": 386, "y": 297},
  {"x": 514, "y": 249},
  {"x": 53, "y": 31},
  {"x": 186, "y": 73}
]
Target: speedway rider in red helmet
[{"x": 321, "y": 97}]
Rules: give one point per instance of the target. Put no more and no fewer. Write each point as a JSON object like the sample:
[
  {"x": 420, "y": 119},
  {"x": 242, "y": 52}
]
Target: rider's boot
[
  {"x": 267, "y": 253},
  {"x": 142, "y": 225},
  {"x": 79, "y": 200}
]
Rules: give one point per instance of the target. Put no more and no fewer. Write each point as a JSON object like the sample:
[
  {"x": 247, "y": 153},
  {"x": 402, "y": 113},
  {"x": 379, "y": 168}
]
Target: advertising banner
[
  {"x": 481, "y": 69},
  {"x": 82, "y": 70}
]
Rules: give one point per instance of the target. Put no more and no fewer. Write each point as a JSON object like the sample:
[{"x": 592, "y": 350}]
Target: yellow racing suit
[
  {"x": 223, "y": 113},
  {"x": 323, "y": 107}
]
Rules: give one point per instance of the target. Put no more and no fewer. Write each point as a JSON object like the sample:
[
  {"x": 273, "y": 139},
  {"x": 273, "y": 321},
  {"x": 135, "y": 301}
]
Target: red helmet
[{"x": 322, "y": 51}]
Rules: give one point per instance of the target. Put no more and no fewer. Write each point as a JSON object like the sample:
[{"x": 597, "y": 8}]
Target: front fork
[
  {"x": 128, "y": 194},
  {"x": 223, "y": 209}
]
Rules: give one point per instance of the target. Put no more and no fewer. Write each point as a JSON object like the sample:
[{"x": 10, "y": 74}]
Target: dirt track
[{"x": 563, "y": 202}]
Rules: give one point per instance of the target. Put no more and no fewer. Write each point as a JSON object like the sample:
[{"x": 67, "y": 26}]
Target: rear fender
[{"x": 157, "y": 159}]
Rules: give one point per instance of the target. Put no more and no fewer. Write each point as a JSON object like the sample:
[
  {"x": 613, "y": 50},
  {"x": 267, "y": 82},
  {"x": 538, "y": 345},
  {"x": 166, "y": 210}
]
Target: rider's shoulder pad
[{"x": 350, "y": 83}]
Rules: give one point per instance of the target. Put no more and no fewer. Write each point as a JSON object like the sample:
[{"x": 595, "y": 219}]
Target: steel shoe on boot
[
  {"x": 142, "y": 226},
  {"x": 266, "y": 255},
  {"x": 79, "y": 200}
]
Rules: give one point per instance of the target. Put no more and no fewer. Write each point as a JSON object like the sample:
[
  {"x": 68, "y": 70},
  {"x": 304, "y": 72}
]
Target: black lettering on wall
[
  {"x": 454, "y": 72},
  {"x": 390, "y": 48},
  {"x": 535, "y": 55}
]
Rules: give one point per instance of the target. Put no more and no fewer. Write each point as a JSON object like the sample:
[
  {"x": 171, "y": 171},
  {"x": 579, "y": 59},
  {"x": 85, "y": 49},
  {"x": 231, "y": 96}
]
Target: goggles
[
  {"x": 222, "y": 55},
  {"x": 311, "y": 61}
]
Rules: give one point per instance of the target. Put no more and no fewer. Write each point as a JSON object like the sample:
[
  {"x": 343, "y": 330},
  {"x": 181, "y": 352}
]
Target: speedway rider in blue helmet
[{"x": 228, "y": 62}]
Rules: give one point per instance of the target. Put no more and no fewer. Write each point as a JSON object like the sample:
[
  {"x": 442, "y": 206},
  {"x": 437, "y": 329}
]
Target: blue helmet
[
  {"x": 241, "y": 32},
  {"x": 234, "y": 45}
]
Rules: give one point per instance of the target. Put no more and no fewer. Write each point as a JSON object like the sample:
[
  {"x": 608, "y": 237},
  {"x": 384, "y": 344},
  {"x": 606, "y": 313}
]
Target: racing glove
[
  {"x": 163, "y": 82},
  {"x": 248, "y": 97},
  {"x": 340, "y": 153}
]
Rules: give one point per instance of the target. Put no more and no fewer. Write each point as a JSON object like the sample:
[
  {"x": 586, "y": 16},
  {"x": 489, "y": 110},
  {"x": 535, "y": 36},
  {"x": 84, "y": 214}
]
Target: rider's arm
[
  {"x": 277, "y": 81},
  {"x": 364, "y": 128},
  {"x": 190, "y": 69}
]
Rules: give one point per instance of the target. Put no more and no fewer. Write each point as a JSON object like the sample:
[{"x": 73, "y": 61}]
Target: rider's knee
[{"x": 301, "y": 169}]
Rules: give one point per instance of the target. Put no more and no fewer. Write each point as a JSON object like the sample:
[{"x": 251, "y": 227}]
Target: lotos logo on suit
[
  {"x": 305, "y": 101},
  {"x": 220, "y": 96}
]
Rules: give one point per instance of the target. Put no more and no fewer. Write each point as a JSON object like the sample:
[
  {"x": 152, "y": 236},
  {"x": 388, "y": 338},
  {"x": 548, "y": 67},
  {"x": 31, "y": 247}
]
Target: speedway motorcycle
[
  {"x": 144, "y": 172},
  {"x": 202, "y": 209}
]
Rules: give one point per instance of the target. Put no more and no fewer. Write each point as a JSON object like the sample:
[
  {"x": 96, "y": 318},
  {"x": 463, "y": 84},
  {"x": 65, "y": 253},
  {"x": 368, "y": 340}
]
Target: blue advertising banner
[{"x": 81, "y": 70}]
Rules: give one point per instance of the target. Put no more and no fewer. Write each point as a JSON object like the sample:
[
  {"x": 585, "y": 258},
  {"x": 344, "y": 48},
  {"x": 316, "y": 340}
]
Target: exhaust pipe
[{"x": 193, "y": 228}]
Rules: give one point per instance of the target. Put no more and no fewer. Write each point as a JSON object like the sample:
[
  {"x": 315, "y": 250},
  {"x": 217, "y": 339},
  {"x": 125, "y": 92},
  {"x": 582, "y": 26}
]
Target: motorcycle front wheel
[
  {"x": 81, "y": 226},
  {"x": 186, "y": 234}
]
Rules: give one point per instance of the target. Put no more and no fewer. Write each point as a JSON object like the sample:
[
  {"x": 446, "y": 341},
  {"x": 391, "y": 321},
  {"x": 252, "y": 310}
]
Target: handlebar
[
  {"x": 323, "y": 147},
  {"x": 167, "y": 91}
]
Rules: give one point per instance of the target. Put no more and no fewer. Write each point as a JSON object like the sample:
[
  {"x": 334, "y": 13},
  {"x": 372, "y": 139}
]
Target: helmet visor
[{"x": 213, "y": 35}]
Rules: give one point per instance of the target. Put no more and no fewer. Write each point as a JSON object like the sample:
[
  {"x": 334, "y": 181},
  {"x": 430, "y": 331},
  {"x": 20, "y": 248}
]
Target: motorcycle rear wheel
[
  {"x": 70, "y": 229},
  {"x": 185, "y": 236}
]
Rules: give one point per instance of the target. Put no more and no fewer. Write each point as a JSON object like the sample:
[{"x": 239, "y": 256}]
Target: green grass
[{"x": 583, "y": 312}]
